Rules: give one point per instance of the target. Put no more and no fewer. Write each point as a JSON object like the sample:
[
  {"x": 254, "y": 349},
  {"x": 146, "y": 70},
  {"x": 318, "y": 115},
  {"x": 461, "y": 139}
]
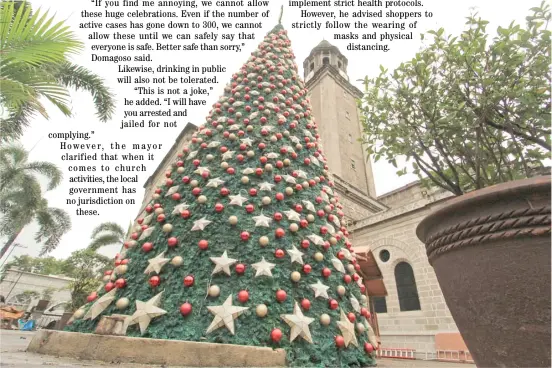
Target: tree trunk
[{"x": 10, "y": 241}]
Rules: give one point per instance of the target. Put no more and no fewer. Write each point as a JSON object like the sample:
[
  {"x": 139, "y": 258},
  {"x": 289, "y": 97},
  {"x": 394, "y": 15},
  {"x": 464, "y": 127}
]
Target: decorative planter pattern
[{"x": 491, "y": 253}]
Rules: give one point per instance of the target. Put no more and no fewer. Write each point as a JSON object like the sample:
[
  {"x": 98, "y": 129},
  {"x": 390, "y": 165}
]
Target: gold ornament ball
[
  {"x": 79, "y": 313},
  {"x": 194, "y": 183},
  {"x": 224, "y": 165},
  {"x": 244, "y": 180},
  {"x": 201, "y": 199},
  {"x": 232, "y": 137},
  {"x": 266, "y": 201},
  {"x": 250, "y": 128},
  {"x": 327, "y": 208},
  {"x": 305, "y": 184},
  {"x": 106, "y": 278},
  {"x": 132, "y": 243},
  {"x": 268, "y": 167},
  {"x": 261, "y": 310},
  {"x": 325, "y": 319},
  {"x": 273, "y": 139},
  {"x": 122, "y": 269},
  {"x": 293, "y": 227},
  {"x": 112, "y": 277},
  {"x": 199, "y": 140},
  {"x": 333, "y": 200},
  {"x": 351, "y": 268},
  {"x": 364, "y": 299},
  {"x": 341, "y": 290},
  {"x": 287, "y": 162},
  {"x": 180, "y": 170},
  {"x": 286, "y": 132},
  {"x": 233, "y": 220},
  {"x": 360, "y": 327},
  {"x": 318, "y": 257},
  {"x": 155, "y": 196},
  {"x": 295, "y": 276},
  {"x": 298, "y": 146},
  {"x": 177, "y": 261},
  {"x": 289, "y": 191},
  {"x": 220, "y": 127},
  {"x": 250, "y": 154},
  {"x": 159, "y": 211},
  {"x": 333, "y": 241},
  {"x": 122, "y": 303},
  {"x": 214, "y": 290},
  {"x": 310, "y": 217},
  {"x": 317, "y": 179},
  {"x": 209, "y": 157},
  {"x": 263, "y": 241},
  {"x": 167, "y": 228}
]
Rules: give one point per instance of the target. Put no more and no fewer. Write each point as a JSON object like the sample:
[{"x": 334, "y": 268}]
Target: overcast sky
[{"x": 448, "y": 14}]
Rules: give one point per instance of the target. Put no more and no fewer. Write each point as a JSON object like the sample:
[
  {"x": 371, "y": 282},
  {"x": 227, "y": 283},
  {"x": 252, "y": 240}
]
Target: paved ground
[{"x": 14, "y": 343}]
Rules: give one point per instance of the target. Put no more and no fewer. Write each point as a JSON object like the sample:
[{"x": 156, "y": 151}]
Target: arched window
[
  {"x": 326, "y": 61},
  {"x": 406, "y": 287}
]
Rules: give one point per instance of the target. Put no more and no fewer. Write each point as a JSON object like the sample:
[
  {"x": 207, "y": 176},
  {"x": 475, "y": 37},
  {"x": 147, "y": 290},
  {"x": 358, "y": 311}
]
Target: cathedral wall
[{"x": 407, "y": 329}]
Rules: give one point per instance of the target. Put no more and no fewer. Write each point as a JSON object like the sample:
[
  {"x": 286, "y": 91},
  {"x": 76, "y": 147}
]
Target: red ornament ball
[
  {"x": 305, "y": 304},
  {"x": 305, "y": 243},
  {"x": 276, "y": 335},
  {"x": 185, "y": 309},
  {"x": 109, "y": 286},
  {"x": 339, "y": 341},
  {"x": 347, "y": 279},
  {"x": 369, "y": 348},
  {"x": 93, "y": 295},
  {"x": 351, "y": 317},
  {"x": 203, "y": 244},
  {"x": 154, "y": 281},
  {"x": 185, "y": 214},
  {"x": 250, "y": 208},
  {"x": 326, "y": 272},
  {"x": 244, "y": 236},
  {"x": 240, "y": 268},
  {"x": 243, "y": 296},
  {"x": 172, "y": 242},
  {"x": 281, "y": 295},
  {"x": 146, "y": 247},
  {"x": 333, "y": 304},
  {"x": 189, "y": 280},
  {"x": 280, "y": 232},
  {"x": 176, "y": 196},
  {"x": 279, "y": 253},
  {"x": 307, "y": 268},
  {"x": 120, "y": 283}
]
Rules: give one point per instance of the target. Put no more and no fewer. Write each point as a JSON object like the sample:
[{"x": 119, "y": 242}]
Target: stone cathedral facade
[{"x": 410, "y": 309}]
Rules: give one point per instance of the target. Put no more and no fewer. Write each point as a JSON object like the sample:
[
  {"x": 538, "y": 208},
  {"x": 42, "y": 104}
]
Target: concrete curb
[{"x": 120, "y": 349}]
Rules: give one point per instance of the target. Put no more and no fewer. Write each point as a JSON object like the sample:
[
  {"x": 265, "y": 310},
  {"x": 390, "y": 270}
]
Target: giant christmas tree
[{"x": 244, "y": 244}]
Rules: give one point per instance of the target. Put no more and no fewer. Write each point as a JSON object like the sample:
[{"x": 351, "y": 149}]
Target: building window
[
  {"x": 312, "y": 67},
  {"x": 406, "y": 288},
  {"x": 384, "y": 255},
  {"x": 339, "y": 64},
  {"x": 380, "y": 304},
  {"x": 353, "y": 164},
  {"x": 347, "y": 115},
  {"x": 326, "y": 61}
]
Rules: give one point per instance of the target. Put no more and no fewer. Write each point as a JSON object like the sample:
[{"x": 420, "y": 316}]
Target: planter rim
[{"x": 535, "y": 184}]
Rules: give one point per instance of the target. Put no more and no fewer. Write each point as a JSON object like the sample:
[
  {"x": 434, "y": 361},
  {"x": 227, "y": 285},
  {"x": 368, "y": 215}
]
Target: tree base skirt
[{"x": 120, "y": 349}]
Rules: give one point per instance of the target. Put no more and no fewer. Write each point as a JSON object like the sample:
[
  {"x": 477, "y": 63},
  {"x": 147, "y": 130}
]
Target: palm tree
[
  {"x": 106, "y": 233},
  {"x": 20, "y": 206},
  {"x": 16, "y": 170},
  {"x": 34, "y": 64}
]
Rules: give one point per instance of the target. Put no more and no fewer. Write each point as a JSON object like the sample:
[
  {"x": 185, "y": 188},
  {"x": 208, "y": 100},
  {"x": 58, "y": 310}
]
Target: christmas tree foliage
[{"x": 243, "y": 244}]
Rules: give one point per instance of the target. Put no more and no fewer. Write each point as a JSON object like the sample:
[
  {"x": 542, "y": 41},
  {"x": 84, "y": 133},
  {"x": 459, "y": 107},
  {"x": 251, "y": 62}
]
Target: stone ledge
[{"x": 117, "y": 349}]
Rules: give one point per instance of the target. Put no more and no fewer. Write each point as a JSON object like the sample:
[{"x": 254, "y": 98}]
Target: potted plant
[{"x": 471, "y": 115}]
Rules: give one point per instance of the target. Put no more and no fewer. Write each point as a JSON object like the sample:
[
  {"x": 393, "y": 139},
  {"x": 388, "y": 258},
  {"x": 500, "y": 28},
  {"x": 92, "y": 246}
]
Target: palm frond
[
  {"x": 12, "y": 155},
  {"x": 111, "y": 227},
  {"x": 47, "y": 169},
  {"x": 53, "y": 223},
  {"x": 103, "y": 240},
  {"x": 11, "y": 128},
  {"x": 80, "y": 78}
]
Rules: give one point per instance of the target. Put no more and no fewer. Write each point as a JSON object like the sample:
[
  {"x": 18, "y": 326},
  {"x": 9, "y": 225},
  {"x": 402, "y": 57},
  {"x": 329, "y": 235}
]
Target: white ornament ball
[
  {"x": 132, "y": 243},
  {"x": 295, "y": 276},
  {"x": 250, "y": 154},
  {"x": 232, "y": 137},
  {"x": 263, "y": 241},
  {"x": 122, "y": 303},
  {"x": 159, "y": 210},
  {"x": 155, "y": 196},
  {"x": 249, "y": 128},
  {"x": 214, "y": 290},
  {"x": 261, "y": 310},
  {"x": 341, "y": 290},
  {"x": 317, "y": 179},
  {"x": 333, "y": 200},
  {"x": 351, "y": 268},
  {"x": 360, "y": 327},
  {"x": 79, "y": 313},
  {"x": 305, "y": 184},
  {"x": 269, "y": 167},
  {"x": 209, "y": 157},
  {"x": 298, "y": 146},
  {"x": 201, "y": 199},
  {"x": 266, "y": 201},
  {"x": 244, "y": 180},
  {"x": 333, "y": 241},
  {"x": 310, "y": 217},
  {"x": 287, "y": 162},
  {"x": 220, "y": 127},
  {"x": 289, "y": 191},
  {"x": 327, "y": 208},
  {"x": 273, "y": 139},
  {"x": 167, "y": 228},
  {"x": 122, "y": 269},
  {"x": 325, "y": 319},
  {"x": 318, "y": 257},
  {"x": 194, "y": 183},
  {"x": 199, "y": 140},
  {"x": 224, "y": 165},
  {"x": 106, "y": 278},
  {"x": 364, "y": 299},
  {"x": 180, "y": 170},
  {"x": 233, "y": 220},
  {"x": 177, "y": 261}
]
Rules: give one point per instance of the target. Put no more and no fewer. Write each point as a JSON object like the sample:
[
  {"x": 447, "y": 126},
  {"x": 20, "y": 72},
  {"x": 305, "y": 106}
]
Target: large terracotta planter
[{"x": 491, "y": 253}]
